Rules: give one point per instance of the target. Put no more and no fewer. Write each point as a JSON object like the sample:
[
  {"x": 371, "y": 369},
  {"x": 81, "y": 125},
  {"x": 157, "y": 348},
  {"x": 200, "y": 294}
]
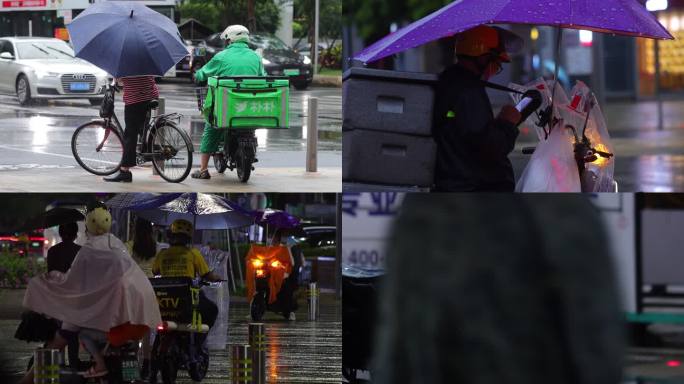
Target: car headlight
[
  {"x": 307, "y": 60},
  {"x": 265, "y": 61},
  {"x": 42, "y": 74}
]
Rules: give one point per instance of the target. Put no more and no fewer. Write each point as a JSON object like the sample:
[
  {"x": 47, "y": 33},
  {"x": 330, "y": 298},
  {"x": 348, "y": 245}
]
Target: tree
[
  {"x": 330, "y": 19},
  {"x": 374, "y": 17},
  {"x": 218, "y": 14}
]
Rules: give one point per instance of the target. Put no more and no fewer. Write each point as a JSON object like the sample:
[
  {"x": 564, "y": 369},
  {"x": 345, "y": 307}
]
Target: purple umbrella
[
  {"x": 276, "y": 218},
  {"x": 622, "y": 17}
]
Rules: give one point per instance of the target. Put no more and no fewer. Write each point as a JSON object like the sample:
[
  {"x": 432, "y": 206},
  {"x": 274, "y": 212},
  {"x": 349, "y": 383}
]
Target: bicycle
[
  {"x": 247, "y": 104},
  {"x": 97, "y": 145}
]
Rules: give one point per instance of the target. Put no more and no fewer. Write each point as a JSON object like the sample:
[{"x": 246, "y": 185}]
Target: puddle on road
[{"x": 21, "y": 167}]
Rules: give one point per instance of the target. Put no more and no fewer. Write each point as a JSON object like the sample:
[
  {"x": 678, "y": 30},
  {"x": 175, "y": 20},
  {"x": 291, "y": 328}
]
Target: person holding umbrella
[
  {"x": 138, "y": 91},
  {"x": 238, "y": 59},
  {"x": 134, "y": 44},
  {"x": 478, "y": 161},
  {"x": 473, "y": 145}
]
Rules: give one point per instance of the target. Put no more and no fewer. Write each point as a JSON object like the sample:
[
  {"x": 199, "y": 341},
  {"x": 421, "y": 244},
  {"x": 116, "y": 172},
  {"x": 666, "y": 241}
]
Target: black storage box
[
  {"x": 388, "y": 158},
  {"x": 390, "y": 101},
  {"x": 359, "y": 312},
  {"x": 174, "y": 298}
]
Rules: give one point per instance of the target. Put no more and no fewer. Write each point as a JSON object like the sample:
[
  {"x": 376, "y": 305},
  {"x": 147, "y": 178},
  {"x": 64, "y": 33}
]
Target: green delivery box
[{"x": 244, "y": 102}]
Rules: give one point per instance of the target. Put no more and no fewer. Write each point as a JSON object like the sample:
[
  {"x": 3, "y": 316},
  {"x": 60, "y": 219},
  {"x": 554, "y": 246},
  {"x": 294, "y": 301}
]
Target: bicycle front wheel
[
  {"x": 171, "y": 153},
  {"x": 97, "y": 148}
]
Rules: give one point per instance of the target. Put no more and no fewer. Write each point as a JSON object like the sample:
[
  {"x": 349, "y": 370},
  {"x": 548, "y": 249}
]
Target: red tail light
[{"x": 161, "y": 327}]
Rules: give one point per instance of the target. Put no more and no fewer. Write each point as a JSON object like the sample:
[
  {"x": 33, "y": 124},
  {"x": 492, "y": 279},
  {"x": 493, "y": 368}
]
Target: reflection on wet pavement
[
  {"x": 297, "y": 352},
  {"x": 48, "y": 126}
]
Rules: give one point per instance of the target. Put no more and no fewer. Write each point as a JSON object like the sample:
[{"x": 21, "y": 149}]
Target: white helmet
[{"x": 235, "y": 33}]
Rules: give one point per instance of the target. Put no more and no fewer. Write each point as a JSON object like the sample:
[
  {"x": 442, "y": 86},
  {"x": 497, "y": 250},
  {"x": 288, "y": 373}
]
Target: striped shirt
[{"x": 139, "y": 89}]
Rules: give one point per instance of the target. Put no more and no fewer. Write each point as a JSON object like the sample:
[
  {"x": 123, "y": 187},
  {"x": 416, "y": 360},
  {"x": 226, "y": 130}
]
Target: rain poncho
[
  {"x": 268, "y": 254},
  {"x": 103, "y": 289},
  {"x": 219, "y": 294}
]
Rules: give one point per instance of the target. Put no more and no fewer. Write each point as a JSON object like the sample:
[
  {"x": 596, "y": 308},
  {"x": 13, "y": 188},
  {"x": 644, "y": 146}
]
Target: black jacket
[
  {"x": 60, "y": 256},
  {"x": 499, "y": 288},
  {"x": 472, "y": 146}
]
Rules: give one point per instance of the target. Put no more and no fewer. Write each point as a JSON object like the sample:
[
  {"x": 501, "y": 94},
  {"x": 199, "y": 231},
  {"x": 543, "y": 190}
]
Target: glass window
[
  {"x": 53, "y": 49},
  {"x": 268, "y": 43}
]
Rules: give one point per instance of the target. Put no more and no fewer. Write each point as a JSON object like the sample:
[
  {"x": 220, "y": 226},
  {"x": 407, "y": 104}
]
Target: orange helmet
[{"x": 484, "y": 40}]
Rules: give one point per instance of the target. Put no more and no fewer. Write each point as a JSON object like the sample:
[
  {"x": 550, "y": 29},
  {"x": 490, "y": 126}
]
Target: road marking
[{"x": 52, "y": 154}]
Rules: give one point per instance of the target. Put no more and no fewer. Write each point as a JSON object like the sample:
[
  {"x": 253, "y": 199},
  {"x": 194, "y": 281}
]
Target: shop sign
[
  {"x": 24, "y": 3},
  {"x": 366, "y": 221}
]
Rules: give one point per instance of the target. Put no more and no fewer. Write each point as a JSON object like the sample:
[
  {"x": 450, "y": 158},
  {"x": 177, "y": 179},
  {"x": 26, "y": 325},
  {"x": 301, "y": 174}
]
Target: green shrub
[
  {"x": 16, "y": 270},
  {"x": 331, "y": 57}
]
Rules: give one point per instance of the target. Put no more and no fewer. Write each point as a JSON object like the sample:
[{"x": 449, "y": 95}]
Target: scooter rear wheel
[
  {"x": 198, "y": 369},
  {"x": 244, "y": 165},
  {"x": 258, "y": 307},
  {"x": 169, "y": 371}
]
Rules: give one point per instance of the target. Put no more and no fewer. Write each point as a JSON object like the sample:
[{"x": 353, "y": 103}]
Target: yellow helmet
[
  {"x": 484, "y": 39},
  {"x": 181, "y": 226},
  {"x": 98, "y": 221}
]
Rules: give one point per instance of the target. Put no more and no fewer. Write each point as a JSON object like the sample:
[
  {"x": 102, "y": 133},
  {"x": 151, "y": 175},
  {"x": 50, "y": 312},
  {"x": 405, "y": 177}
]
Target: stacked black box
[{"x": 387, "y": 127}]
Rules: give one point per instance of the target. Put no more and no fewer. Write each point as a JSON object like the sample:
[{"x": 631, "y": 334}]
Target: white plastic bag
[
  {"x": 545, "y": 87},
  {"x": 599, "y": 173},
  {"x": 552, "y": 167}
]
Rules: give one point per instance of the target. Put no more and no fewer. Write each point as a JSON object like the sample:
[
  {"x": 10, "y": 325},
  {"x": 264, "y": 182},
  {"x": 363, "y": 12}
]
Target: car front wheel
[
  {"x": 23, "y": 90},
  {"x": 300, "y": 85}
]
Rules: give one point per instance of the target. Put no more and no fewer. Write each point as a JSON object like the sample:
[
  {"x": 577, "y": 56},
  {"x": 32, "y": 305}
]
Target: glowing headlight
[
  {"x": 307, "y": 60},
  {"x": 265, "y": 61}
]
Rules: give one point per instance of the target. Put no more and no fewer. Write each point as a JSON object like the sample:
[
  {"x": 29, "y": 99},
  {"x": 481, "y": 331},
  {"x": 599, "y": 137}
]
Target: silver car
[{"x": 45, "y": 68}]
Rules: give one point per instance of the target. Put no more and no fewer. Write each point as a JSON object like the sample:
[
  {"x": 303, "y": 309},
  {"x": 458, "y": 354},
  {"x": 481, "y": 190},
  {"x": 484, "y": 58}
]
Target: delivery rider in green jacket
[{"x": 236, "y": 60}]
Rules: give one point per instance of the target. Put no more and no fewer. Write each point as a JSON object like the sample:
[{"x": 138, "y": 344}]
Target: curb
[{"x": 327, "y": 81}]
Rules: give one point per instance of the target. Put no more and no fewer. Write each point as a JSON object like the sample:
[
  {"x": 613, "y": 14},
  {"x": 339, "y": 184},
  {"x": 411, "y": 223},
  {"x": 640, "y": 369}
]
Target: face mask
[{"x": 492, "y": 69}]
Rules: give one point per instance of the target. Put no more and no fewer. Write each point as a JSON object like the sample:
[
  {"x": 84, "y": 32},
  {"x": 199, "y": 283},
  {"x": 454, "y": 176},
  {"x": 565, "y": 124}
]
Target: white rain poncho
[
  {"x": 219, "y": 294},
  {"x": 104, "y": 288},
  {"x": 552, "y": 167}
]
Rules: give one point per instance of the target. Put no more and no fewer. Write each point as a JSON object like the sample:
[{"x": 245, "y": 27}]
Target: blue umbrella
[
  {"x": 126, "y": 38},
  {"x": 205, "y": 211}
]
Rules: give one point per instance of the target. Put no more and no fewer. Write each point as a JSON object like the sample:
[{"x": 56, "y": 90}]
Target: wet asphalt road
[
  {"x": 297, "y": 352},
  {"x": 41, "y": 134}
]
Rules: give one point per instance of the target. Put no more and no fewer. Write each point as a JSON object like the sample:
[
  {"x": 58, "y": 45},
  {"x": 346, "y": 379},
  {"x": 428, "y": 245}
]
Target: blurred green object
[{"x": 248, "y": 103}]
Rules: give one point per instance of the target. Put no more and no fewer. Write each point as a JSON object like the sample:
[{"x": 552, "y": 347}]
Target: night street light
[{"x": 656, "y": 5}]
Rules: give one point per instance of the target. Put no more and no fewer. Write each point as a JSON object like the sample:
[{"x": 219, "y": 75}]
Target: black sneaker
[
  {"x": 201, "y": 174},
  {"x": 122, "y": 176}
]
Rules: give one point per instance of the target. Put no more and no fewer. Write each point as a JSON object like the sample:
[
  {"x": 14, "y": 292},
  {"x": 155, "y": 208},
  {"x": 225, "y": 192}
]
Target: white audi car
[{"x": 45, "y": 68}]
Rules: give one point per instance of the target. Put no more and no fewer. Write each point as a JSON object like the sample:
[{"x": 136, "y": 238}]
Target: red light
[
  {"x": 673, "y": 363},
  {"x": 161, "y": 326}
]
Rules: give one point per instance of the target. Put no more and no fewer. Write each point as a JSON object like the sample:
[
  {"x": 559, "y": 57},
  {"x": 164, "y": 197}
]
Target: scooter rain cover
[
  {"x": 103, "y": 288},
  {"x": 268, "y": 254},
  {"x": 552, "y": 167}
]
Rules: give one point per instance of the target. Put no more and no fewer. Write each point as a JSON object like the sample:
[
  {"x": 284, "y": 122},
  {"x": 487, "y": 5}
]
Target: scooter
[
  {"x": 178, "y": 343},
  {"x": 268, "y": 268},
  {"x": 120, "y": 352}
]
